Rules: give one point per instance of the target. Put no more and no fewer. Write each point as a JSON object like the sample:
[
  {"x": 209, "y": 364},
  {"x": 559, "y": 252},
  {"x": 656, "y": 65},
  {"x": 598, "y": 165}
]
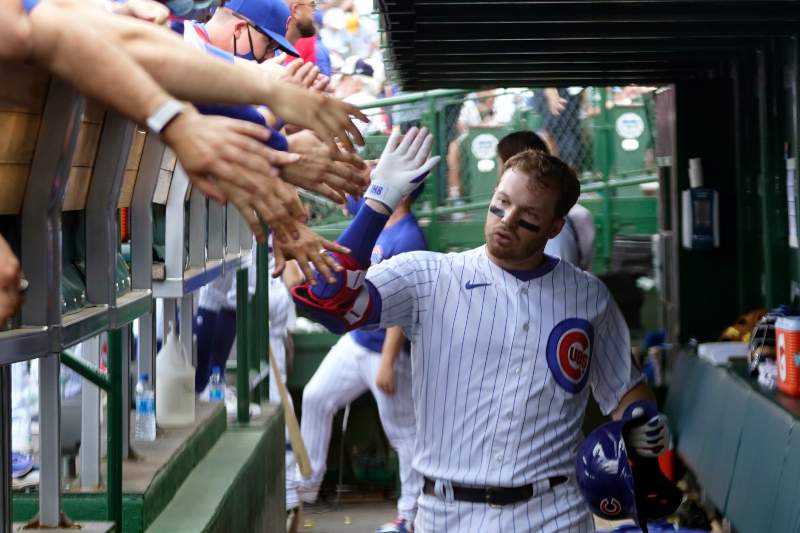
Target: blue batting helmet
[{"x": 618, "y": 484}]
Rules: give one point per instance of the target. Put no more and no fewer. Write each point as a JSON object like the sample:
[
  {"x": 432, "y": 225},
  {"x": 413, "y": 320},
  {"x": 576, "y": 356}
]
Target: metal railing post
[
  {"x": 5, "y": 447},
  {"x": 90, "y": 417},
  {"x": 114, "y": 437},
  {"x": 606, "y": 170},
  {"x": 242, "y": 368},
  {"x": 262, "y": 313}
]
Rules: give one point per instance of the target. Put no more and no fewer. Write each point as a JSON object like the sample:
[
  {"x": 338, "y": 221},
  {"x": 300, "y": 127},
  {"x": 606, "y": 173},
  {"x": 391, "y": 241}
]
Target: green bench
[{"x": 742, "y": 443}]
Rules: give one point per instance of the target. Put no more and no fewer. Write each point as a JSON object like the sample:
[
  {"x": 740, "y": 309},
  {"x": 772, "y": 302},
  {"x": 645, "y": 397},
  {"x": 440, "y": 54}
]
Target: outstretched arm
[{"x": 196, "y": 77}]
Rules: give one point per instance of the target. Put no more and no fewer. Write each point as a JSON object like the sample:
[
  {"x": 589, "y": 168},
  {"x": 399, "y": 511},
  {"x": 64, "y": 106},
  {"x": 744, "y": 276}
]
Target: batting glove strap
[
  {"x": 386, "y": 193},
  {"x": 650, "y": 439}
]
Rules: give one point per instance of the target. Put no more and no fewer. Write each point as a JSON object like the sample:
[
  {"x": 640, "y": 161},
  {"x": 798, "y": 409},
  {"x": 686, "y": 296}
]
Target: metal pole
[
  {"x": 125, "y": 400},
  {"x": 147, "y": 347},
  {"x": 174, "y": 252},
  {"x": 216, "y": 231},
  {"x": 198, "y": 219},
  {"x": 606, "y": 192},
  {"x": 242, "y": 368},
  {"x": 253, "y": 342},
  {"x": 41, "y": 260},
  {"x": 50, "y": 441},
  {"x": 84, "y": 369},
  {"x": 90, "y": 409},
  {"x": 5, "y": 446},
  {"x": 187, "y": 314},
  {"x": 102, "y": 237},
  {"x": 114, "y": 437},
  {"x": 262, "y": 312},
  {"x": 412, "y": 98}
]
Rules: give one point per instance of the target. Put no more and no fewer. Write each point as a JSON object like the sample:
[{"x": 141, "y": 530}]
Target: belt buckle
[{"x": 490, "y": 499}]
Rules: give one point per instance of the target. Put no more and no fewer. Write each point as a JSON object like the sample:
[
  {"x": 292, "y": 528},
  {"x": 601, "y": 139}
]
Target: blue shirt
[
  {"x": 403, "y": 236},
  {"x": 323, "y": 58}
]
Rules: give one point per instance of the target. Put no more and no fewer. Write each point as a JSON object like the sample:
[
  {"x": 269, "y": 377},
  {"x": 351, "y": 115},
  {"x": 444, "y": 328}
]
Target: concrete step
[{"x": 237, "y": 487}]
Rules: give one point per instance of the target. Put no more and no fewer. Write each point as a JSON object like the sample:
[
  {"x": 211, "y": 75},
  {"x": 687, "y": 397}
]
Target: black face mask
[
  {"x": 250, "y": 56},
  {"x": 501, "y": 213}
]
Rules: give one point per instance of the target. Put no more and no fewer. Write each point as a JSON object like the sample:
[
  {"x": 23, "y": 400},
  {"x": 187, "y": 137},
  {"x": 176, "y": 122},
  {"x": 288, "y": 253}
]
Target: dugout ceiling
[{"x": 470, "y": 43}]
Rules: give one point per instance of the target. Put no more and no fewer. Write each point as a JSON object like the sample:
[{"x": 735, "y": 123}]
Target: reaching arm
[
  {"x": 62, "y": 42},
  {"x": 196, "y": 77},
  {"x": 229, "y": 151}
]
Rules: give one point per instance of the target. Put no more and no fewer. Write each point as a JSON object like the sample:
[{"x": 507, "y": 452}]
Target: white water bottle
[{"x": 145, "y": 429}]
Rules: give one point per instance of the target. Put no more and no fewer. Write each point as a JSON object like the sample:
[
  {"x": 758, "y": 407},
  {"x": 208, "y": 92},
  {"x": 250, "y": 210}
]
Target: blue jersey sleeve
[
  {"x": 353, "y": 205},
  {"x": 408, "y": 238}
]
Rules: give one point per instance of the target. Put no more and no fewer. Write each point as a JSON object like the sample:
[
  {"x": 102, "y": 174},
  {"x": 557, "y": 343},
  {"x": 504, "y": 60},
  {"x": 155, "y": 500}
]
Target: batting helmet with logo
[{"x": 619, "y": 484}]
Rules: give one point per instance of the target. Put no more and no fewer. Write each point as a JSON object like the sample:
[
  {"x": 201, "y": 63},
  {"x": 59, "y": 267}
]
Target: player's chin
[{"x": 500, "y": 251}]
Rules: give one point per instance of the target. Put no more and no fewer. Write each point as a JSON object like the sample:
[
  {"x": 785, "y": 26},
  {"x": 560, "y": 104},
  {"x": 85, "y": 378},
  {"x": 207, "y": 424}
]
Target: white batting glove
[
  {"x": 403, "y": 165},
  {"x": 650, "y": 439}
]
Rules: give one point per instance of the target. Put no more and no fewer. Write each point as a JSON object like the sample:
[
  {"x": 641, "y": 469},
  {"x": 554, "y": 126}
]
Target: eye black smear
[{"x": 496, "y": 211}]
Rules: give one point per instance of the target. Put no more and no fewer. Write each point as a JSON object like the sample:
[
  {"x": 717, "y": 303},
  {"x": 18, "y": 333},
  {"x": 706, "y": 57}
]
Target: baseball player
[
  {"x": 377, "y": 360},
  {"x": 575, "y": 242},
  {"x": 506, "y": 345}
]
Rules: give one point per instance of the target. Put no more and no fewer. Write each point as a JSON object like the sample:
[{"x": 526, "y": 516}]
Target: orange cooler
[{"x": 787, "y": 350}]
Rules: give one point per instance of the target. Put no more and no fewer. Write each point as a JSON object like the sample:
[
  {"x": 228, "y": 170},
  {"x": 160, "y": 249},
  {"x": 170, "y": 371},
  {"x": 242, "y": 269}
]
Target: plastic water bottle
[
  {"x": 145, "y": 410},
  {"x": 216, "y": 390}
]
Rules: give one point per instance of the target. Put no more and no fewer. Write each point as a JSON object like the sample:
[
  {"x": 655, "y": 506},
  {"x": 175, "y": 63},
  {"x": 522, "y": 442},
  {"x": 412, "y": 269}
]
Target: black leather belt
[{"x": 492, "y": 495}]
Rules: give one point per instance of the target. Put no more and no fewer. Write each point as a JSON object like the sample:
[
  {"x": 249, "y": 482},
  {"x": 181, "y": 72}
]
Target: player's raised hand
[
  {"x": 332, "y": 175},
  {"x": 404, "y": 164}
]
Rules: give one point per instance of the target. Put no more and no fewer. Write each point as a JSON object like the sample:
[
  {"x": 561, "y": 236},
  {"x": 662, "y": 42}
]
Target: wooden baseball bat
[{"x": 295, "y": 437}]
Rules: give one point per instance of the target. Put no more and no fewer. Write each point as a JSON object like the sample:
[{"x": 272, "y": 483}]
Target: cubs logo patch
[
  {"x": 610, "y": 506},
  {"x": 569, "y": 353},
  {"x": 377, "y": 254}
]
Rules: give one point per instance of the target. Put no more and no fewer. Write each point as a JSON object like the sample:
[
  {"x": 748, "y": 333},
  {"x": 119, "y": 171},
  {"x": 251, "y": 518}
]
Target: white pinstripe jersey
[{"x": 502, "y": 367}]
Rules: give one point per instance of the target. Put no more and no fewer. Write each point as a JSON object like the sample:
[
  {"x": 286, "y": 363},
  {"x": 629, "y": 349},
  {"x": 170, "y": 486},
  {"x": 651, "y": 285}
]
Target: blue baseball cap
[{"x": 269, "y": 16}]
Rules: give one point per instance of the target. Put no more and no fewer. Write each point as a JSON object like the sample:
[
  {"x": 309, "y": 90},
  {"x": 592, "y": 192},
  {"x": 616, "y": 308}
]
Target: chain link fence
[{"x": 605, "y": 134}]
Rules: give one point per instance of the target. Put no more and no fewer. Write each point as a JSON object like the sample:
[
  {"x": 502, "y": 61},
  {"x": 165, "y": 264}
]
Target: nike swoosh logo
[{"x": 469, "y": 286}]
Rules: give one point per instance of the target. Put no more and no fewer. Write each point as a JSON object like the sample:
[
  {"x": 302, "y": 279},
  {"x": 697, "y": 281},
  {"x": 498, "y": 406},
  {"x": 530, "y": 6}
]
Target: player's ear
[{"x": 556, "y": 226}]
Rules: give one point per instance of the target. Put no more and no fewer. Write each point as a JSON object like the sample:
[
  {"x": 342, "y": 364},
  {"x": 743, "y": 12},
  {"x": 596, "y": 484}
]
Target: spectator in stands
[
  {"x": 313, "y": 50},
  {"x": 476, "y": 110},
  {"x": 301, "y": 22}
]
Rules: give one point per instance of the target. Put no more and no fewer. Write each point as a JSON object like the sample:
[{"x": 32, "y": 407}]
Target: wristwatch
[{"x": 159, "y": 120}]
